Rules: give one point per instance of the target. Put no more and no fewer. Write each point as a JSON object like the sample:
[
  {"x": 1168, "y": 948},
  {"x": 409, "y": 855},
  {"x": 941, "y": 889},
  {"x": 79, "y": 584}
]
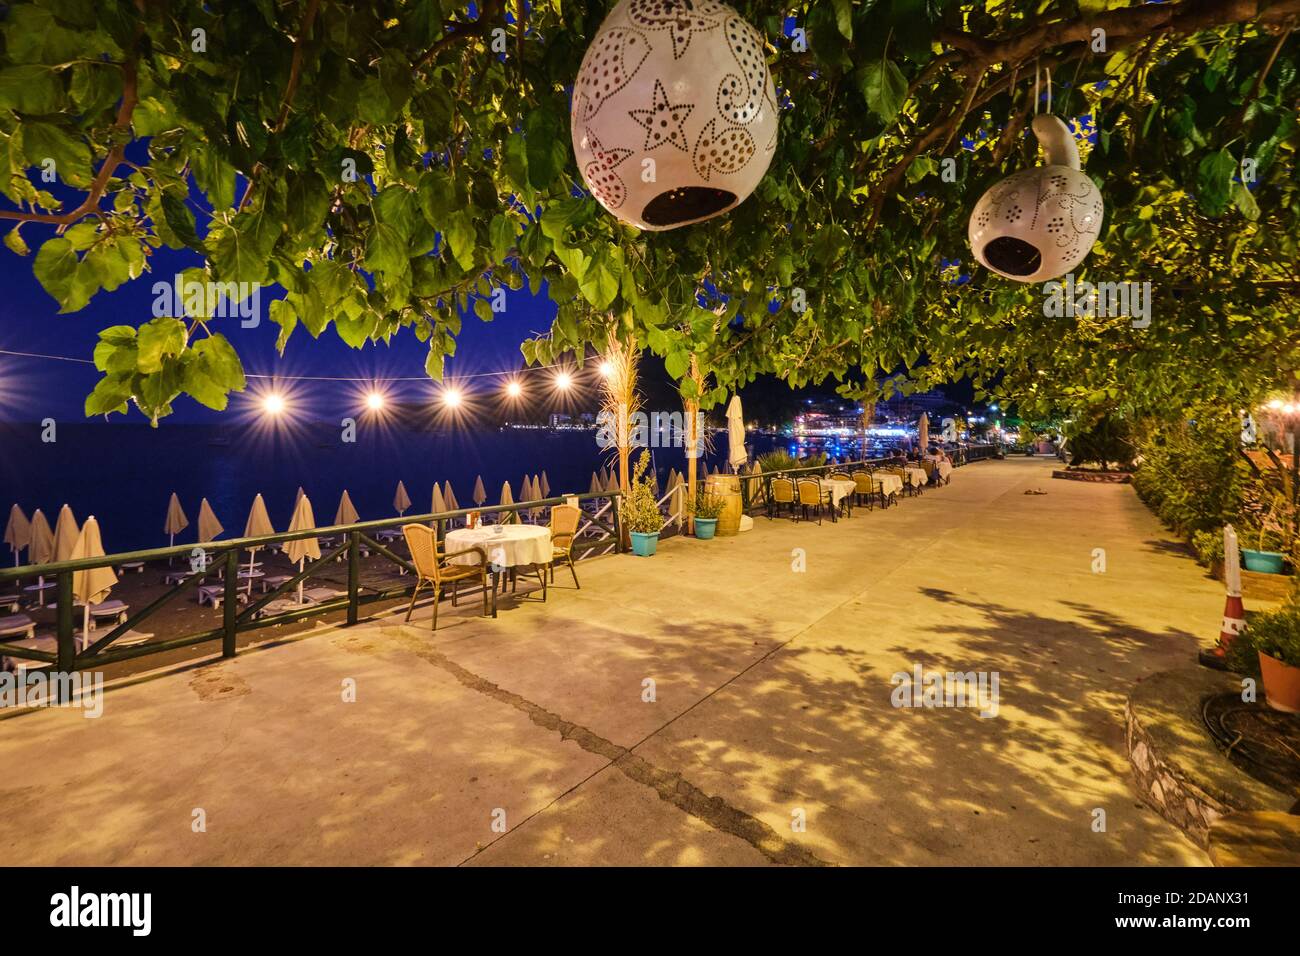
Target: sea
[{"x": 125, "y": 474}]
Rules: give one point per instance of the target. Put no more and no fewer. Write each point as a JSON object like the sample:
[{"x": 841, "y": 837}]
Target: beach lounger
[
  {"x": 214, "y": 594},
  {"x": 115, "y": 609},
  {"x": 11, "y": 601},
  {"x": 17, "y": 624}
]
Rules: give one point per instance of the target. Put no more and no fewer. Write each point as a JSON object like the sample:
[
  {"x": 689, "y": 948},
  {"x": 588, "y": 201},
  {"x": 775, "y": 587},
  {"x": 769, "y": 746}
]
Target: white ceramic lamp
[
  {"x": 674, "y": 115},
  {"x": 1039, "y": 223}
]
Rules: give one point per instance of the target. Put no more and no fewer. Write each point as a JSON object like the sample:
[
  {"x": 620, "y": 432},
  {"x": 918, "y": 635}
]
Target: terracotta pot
[
  {"x": 673, "y": 115},
  {"x": 1281, "y": 684},
  {"x": 1039, "y": 223}
]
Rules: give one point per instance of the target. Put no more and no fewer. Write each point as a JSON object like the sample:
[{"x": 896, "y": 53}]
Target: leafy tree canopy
[{"x": 390, "y": 164}]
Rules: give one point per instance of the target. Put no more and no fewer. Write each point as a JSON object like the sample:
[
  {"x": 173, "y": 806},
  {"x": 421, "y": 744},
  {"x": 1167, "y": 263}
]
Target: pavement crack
[{"x": 669, "y": 785}]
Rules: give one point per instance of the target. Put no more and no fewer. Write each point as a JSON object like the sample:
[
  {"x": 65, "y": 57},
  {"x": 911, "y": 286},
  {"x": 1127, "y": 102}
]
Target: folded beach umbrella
[
  {"x": 538, "y": 493},
  {"x": 546, "y": 486},
  {"x": 41, "y": 544},
  {"x": 401, "y": 500},
  {"x": 40, "y": 549},
  {"x": 346, "y": 514},
  {"x": 92, "y": 585},
  {"x": 258, "y": 524},
  {"x": 596, "y": 487},
  {"x": 300, "y": 550},
  {"x": 480, "y": 494},
  {"x": 439, "y": 506},
  {"x": 18, "y": 532},
  {"x": 449, "y": 497},
  {"x": 299, "y": 496},
  {"x": 209, "y": 526},
  {"x": 176, "y": 521},
  {"x": 65, "y": 534},
  {"x": 611, "y": 480},
  {"x": 507, "y": 499}
]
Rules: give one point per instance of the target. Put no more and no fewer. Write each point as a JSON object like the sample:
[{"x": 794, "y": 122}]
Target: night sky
[{"x": 31, "y": 390}]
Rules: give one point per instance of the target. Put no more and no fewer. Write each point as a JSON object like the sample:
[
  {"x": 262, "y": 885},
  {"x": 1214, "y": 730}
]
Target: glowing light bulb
[
  {"x": 375, "y": 401},
  {"x": 514, "y": 390},
  {"x": 451, "y": 397},
  {"x": 273, "y": 404},
  {"x": 563, "y": 381},
  {"x": 606, "y": 369},
  {"x": 1275, "y": 404}
]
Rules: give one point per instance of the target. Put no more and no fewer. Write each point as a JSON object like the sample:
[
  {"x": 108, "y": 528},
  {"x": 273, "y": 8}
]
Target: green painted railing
[{"x": 236, "y": 620}]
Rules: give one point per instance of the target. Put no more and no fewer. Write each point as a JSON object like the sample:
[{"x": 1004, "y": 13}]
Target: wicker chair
[
  {"x": 782, "y": 494},
  {"x": 846, "y": 503},
  {"x": 866, "y": 488},
  {"x": 810, "y": 496},
  {"x": 564, "y": 526},
  {"x": 430, "y": 568}
]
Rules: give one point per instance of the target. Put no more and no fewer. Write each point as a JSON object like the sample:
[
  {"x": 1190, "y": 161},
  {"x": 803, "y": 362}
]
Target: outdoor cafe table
[
  {"x": 889, "y": 484},
  {"x": 945, "y": 469},
  {"x": 506, "y": 545},
  {"x": 919, "y": 477},
  {"x": 836, "y": 490}
]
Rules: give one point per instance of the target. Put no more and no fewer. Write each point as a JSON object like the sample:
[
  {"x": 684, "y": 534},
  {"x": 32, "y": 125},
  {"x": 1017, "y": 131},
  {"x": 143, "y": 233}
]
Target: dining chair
[
  {"x": 782, "y": 494},
  {"x": 810, "y": 496},
  {"x": 865, "y": 488},
  {"x": 564, "y": 527},
  {"x": 431, "y": 568}
]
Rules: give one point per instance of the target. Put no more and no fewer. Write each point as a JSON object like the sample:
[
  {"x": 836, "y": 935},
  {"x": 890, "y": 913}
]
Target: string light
[{"x": 274, "y": 403}]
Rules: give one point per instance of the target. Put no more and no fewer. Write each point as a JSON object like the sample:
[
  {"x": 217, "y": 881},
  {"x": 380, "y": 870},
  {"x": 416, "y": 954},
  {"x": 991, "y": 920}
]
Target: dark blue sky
[{"x": 29, "y": 322}]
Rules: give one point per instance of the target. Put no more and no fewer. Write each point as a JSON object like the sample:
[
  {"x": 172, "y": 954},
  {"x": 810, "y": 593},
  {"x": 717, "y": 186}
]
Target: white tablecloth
[
  {"x": 919, "y": 477},
  {"x": 839, "y": 488},
  {"x": 945, "y": 469},
  {"x": 512, "y": 545},
  {"x": 889, "y": 484}
]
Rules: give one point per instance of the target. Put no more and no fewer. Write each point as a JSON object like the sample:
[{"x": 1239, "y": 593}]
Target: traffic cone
[
  {"x": 1234, "y": 619},
  {"x": 1234, "y": 615}
]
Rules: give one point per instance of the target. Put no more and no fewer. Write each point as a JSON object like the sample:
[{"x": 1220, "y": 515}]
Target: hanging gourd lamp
[
  {"x": 674, "y": 115},
  {"x": 1038, "y": 224}
]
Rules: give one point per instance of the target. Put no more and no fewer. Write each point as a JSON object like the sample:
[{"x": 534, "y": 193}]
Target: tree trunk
[{"x": 694, "y": 444}]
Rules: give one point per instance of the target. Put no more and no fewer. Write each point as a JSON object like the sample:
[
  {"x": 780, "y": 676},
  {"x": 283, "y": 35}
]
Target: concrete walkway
[{"x": 725, "y": 702}]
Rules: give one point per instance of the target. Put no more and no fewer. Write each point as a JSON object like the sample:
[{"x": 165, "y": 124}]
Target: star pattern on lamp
[{"x": 663, "y": 122}]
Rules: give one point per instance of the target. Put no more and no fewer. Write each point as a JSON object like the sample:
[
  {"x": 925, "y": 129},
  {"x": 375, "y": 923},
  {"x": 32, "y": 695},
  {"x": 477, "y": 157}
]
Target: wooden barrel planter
[{"x": 726, "y": 487}]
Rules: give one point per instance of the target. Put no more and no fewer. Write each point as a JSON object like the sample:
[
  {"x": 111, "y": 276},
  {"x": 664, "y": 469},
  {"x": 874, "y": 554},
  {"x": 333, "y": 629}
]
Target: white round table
[
  {"x": 919, "y": 477},
  {"x": 889, "y": 484},
  {"x": 507, "y": 546}
]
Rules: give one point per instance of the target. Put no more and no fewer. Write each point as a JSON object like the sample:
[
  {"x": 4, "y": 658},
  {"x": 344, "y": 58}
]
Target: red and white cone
[
  {"x": 1234, "y": 620},
  {"x": 1234, "y": 615}
]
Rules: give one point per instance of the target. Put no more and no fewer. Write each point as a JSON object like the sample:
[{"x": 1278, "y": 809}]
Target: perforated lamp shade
[{"x": 673, "y": 114}]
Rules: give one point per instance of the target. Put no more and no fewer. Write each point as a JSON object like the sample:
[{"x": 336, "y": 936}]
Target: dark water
[{"x": 125, "y": 474}]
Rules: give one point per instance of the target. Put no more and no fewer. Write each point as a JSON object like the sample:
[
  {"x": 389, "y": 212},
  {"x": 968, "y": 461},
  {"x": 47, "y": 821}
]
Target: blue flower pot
[
  {"x": 643, "y": 545},
  {"x": 704, "y": 528},
  {"x": 1265, "y": 562}
]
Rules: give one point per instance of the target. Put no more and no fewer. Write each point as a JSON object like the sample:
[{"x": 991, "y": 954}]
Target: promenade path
[{"x": 770, "y": 736}]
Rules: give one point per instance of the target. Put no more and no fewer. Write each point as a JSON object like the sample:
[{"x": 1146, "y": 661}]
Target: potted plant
[
  {"x": 640, "y": 511},
  {"x": 1270, "y": 644},
  {"x": 1271, "y": 532},
  {"x": 707, "y": 509}
]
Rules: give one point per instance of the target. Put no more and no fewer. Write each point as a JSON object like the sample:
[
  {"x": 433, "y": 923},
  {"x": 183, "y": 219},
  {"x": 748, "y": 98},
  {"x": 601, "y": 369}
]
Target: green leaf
[
  {"x": 71, "y": 155},
  {"x": 1214, "y": 181},
  {"x": 31, "y": 89},
  {"x": 180, "y": 219},
  {"x": 110, "y": 394},
  {"x": 844, "y": 17},
  {"x": 157, "y": 340},
  {"x": 884, "y": 87},
  {"x": 57, "y": 268}
]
